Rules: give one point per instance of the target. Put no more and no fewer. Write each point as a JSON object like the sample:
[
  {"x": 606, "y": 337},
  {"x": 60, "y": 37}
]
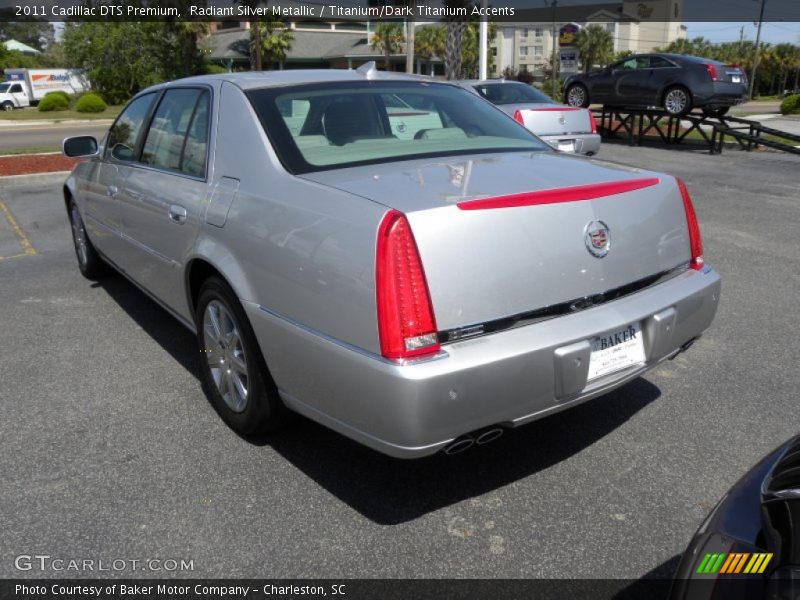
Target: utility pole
[
  {"x": 741, "y": 37},
  {"x": 553, "y": 4},
  {"x": 758, "y": 41},
  {"x": 483, "y": 43},
  {"x": 411, "y": 30}
]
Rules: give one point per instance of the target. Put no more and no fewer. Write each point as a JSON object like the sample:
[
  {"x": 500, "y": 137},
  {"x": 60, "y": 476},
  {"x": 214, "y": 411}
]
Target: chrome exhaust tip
[
  {"x": 489, "y": 435},
  {"x": 461, "y": 444}
]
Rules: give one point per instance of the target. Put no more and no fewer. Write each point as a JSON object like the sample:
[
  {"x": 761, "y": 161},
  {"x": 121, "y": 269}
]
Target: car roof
[{"x": 249, "y": 80}]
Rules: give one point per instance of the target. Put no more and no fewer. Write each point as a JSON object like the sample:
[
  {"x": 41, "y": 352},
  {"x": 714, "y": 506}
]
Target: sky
[{"x": 772, "y": 32}]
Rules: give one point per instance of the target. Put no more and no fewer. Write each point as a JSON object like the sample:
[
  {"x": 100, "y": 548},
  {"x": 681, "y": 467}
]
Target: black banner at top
[{"x": 638, "y": 12}]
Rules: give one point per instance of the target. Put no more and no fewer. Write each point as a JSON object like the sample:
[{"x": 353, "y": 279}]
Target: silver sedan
[
  {"x": 394, "y": 258},
  {"x": 566, "y": 128}
]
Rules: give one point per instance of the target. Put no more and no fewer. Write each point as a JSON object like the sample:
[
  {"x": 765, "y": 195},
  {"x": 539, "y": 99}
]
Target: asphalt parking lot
[{"x": 110, "y": 449}]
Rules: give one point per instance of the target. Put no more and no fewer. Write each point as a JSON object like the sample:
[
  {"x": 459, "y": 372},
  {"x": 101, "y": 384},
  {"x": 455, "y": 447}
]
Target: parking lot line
[{"x": 24, "y": 242}]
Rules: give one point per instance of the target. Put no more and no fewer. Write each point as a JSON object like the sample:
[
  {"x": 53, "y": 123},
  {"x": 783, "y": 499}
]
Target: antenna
[{"x": 368, "y": 70}]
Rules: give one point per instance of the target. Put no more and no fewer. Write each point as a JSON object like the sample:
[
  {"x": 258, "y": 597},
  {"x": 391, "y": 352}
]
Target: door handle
[
  {"x": 112, "y": 191},
  {"x": 177, "y": 214}
]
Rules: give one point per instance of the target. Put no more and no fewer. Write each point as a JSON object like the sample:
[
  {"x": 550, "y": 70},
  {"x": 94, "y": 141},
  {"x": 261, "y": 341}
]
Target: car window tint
[
  {"x": 658, "y": 62},
  {"x": 16, "y": 88},
  {"x": 124, "y": 132},
  {"x": 512, "y": 93},
  {"x": 164, "y": 144},
  {"x": 633, "y": 63},
  {"x": 194, "y": 153},
  {"x": 406, "y": 121},
  {"x": 372, "y": 122}
]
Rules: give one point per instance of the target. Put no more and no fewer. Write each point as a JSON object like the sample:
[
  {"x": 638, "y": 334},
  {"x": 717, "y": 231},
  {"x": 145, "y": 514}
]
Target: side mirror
[{"x": 82, "y": 145}]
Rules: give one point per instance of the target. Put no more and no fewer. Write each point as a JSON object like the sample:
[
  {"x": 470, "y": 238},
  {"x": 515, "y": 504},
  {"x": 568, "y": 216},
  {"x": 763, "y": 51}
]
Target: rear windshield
[
  {"x": 512, "y": 93},
  {"x": 333, "y": 125}
]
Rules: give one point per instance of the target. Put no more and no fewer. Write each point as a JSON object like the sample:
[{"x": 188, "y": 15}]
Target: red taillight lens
[
  {"x": 695, "y": 243},
  {"x": 518, "y": 117},
  {"x": 592, "y": 122},
  {"x": 406, "y": 325},
  {"x": 712, "y": 71}
]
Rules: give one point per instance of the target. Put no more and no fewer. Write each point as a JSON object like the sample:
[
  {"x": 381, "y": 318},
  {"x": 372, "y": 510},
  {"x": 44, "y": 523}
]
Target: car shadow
[
  {"x": 653, "y": 585},
  {"x": 390, "y": 491}
]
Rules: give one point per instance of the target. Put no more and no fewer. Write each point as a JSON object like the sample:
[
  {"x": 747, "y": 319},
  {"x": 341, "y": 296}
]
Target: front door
[{"x": 106, "y": 184}]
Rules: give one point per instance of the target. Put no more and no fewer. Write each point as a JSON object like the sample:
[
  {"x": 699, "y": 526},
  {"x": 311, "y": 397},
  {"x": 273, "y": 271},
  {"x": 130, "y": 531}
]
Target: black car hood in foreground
[{"x": 759, "y": 516}]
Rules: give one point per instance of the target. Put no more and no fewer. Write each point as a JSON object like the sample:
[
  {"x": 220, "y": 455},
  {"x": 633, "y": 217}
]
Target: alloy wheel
[
  {"x": 225, "y": 355},
  {"x": 676, "y": 101},
  {"x": 576, "y": 96}
]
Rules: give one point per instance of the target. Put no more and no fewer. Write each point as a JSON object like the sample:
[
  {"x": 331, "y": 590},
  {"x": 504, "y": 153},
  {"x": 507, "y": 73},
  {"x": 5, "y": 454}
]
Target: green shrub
[
  {"x": 90, "y": 103},
  {"x": 61, "y": 93},
  {"x": 53, "y": 102},
  {"x": 215, "y": 69},
  {"x": 791, "y": 105}
]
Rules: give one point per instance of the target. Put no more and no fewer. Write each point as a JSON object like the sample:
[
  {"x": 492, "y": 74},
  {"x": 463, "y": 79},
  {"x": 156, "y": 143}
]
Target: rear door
[{"x": 165, "y": 193}]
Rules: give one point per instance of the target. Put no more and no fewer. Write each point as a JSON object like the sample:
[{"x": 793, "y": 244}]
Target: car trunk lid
[
  {"x": 505, "y": 234},
  {"x": 553, "y": 119}
]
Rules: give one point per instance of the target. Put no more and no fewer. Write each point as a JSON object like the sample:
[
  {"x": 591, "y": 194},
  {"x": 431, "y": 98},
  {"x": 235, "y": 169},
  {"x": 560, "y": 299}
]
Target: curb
[
  {"x": 22, "y": 123},
  {"x": 45, "y": 178}
]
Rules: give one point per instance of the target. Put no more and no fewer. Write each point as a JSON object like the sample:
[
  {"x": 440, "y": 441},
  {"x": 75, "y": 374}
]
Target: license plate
[
  {"x": 616, "y": 350},
  {"x": 566, "y": 146},
  {"x": 736, "y": 79}
]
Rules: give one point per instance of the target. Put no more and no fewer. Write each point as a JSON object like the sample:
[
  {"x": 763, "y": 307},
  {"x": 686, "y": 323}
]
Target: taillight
[
  {"x": 712, "y": 71},
  {"x": 695, "y": 243},
  {"x": 406, "y": 324},
  {"x": 592, "y": 122},
  {"x": 518, "y": 117}
]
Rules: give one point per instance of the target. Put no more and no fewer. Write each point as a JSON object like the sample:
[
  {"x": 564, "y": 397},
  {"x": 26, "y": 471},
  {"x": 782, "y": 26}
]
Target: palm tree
[
  {"x": 595, "y": 45},
  {"x": 430, "y": 41},
  {"x": 455, "y": 27},
  {"x": 276, "y": 39},
  {"x": 388, "y": 37}
]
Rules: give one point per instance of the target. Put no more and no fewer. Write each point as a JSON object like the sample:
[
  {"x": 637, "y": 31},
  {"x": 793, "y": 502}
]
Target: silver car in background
[
  {"x": 391, "y": 257},
  {"x": 566, "y": 128}
]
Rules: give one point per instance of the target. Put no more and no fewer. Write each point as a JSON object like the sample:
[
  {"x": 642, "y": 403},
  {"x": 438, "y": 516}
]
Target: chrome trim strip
[{"x": 551, "y": 312}]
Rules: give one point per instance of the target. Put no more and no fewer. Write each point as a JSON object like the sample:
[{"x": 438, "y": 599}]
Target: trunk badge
[
  {"x": 597, "y": 238},
  {"x": 562, "y": 120}
]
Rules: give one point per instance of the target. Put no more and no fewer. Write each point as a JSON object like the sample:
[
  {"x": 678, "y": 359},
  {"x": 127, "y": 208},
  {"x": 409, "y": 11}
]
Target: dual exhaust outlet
[{"x": 467, "y": 441}]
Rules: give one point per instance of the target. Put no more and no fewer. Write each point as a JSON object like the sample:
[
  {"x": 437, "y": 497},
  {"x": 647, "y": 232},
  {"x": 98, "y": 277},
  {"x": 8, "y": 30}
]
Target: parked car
[
  {"x": 25, "y": 87},
  {"x": 749, "y": 545},
  {"x": 415, "y": 294},
  {"x": 566, "y": 128},
  {"x": 673, "y": 82}
]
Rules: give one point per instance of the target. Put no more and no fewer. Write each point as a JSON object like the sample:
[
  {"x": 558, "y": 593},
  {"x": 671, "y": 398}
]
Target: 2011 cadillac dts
[{"x": 393, "y": 257}]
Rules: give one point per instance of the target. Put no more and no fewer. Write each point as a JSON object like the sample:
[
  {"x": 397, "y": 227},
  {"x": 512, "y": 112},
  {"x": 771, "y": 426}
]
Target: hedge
[
  {"x": 791, "y": 105},
  {"x": 90, "y": 103},
  {"x": 53, "y": 101}
]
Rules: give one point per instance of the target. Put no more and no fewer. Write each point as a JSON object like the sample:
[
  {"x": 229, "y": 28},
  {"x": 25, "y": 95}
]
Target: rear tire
[
  {"x": 232, "y": 367},
  {"x": 577, "y": 95},
  {"x": 677, "y": 101},
  {"x": 7, "y": 106},
  {"x": 89, "y": 261}
]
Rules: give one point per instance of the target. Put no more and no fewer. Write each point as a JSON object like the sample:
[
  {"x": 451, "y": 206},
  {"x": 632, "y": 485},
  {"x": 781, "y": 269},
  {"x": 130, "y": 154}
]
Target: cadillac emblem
[
  {"x": 562, "y": 120},
  {"x": 597, "y": 238}
]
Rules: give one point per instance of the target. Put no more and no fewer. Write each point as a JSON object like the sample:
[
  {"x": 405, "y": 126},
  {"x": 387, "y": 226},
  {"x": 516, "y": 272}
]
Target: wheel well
[
  {"x": 199, "y": 270},
  {"x": 67, "y": 197}
]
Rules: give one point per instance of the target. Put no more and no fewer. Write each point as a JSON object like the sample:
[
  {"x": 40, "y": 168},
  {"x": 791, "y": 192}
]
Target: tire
[
  {"x": 677, "y": 101},
  {"x": 89, "y": 262},
  {"x": 716, "y": 112},
  {"x": 7, "y": 106},
  {"x": 577, "y": 95},
  {"x": 232, "y": 368}
]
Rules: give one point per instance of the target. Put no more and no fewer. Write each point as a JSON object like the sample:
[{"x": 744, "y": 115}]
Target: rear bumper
[
  {"x": 721, "y": 93},
  {"x": 584, "y": 143},
  {"x": 509, "y": 378}
]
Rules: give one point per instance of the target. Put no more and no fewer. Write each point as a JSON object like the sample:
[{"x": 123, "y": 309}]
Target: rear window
[
  {"x": 512, "y": 93},
  {"x": 333, "y": 125}
]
